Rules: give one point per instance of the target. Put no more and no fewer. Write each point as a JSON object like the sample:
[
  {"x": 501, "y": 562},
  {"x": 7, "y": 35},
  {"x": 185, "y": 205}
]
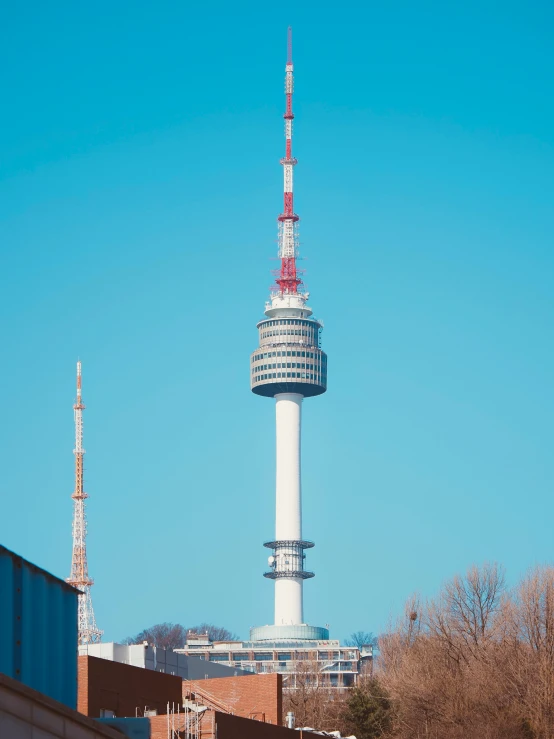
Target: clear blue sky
[{"x": 139, "y": 191}]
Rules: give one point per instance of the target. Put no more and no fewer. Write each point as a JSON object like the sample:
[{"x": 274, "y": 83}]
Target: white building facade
[{"x": 320, "y": 662}]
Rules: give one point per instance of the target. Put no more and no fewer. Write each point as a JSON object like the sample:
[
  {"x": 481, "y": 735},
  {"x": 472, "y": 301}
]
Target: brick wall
[
  {"x": 251, "y": 696},
  {"x": 178, "y": 725},
  {"x": 123, "y": 688},
  {"x": 217, "y": 725},
  {"x": 236, "y": 727}
]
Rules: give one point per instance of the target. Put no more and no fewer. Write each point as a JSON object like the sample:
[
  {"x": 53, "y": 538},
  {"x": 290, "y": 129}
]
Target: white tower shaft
[
  {"x": 288, "y": 527},
  {"x": 288, "y": 418}
]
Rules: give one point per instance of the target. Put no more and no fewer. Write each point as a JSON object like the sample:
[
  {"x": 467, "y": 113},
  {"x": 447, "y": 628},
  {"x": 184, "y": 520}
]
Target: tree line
[
  {"x": 174, "y": 636},
  {"x": 475, "y": 662}
]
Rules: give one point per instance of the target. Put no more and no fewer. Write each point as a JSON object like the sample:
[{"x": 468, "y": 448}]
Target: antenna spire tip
[{"x": 289, "y": 45}]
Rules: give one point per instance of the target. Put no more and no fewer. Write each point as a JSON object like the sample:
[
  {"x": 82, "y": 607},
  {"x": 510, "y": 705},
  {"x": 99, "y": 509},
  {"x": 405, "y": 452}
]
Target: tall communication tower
[
  {"x": 289, "y": 366},
  {"x": 88, "y": 631}
]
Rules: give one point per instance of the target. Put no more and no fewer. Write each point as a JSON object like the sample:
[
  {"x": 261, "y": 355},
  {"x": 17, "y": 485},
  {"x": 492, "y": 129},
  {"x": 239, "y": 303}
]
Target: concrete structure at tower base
[
  {"x": 283, "y": 632},
  {"x": 336, "y": 667}
]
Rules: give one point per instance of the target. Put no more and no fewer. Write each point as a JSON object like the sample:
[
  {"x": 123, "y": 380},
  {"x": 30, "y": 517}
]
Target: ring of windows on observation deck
[
  {"x": 317, "y": 379},
  {"x": 312, "y": 365},
  {"x": 289, "y": 328}
]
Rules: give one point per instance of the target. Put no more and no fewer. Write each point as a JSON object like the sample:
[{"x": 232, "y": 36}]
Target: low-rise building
[
  {"x": 324, "y": 661},
  {"x": 160, "y": 660},
  {"x": 108, "y": 689}
]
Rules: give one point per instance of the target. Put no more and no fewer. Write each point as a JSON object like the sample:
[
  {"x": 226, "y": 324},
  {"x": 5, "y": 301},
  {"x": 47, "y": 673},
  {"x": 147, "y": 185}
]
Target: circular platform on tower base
[
  {"x": 294, "y": 632},
  {"x": 270, "y": 389}
]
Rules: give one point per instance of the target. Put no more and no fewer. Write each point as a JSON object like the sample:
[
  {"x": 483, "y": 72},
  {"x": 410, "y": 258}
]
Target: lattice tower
[{"x": 88, "y": 631}]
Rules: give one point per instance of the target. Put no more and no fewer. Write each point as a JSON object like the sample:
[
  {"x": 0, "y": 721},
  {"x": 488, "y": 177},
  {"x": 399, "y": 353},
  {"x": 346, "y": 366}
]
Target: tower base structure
[{"x": 286, "y": 632}]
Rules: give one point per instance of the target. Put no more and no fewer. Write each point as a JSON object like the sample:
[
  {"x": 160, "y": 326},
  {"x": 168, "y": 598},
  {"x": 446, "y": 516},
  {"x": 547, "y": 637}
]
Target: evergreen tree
[{"x": 368, "y": 712}]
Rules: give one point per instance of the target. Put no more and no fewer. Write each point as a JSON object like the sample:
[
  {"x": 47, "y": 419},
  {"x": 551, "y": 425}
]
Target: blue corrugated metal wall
[
  {"x": 38, "y": 628},
  {"x": 134, "y": 728}
]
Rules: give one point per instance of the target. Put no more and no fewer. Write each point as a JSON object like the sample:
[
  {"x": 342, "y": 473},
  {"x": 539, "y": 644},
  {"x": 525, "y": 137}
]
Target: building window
[
  {"x": 285, "y": 656},
  {"x": 238, "y": 657},
  {"x": 261, "y": 656},
  {"x": 107, "y": 713}
]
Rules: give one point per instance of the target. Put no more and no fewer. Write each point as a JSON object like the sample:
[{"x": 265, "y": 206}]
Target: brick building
[
  {"x": 256, "y": 697},
  {"x": 108, "y": 689},
  {"x": 114, "y": 690}
]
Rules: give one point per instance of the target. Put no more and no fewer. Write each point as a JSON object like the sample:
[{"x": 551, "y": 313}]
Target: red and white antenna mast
[
  {"x": 88, "y": 631},
  {"x": 288, "y": 279}
]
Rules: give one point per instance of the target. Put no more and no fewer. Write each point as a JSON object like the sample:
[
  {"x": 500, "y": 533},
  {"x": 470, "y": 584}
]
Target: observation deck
[{"x": 288, "y": 359}]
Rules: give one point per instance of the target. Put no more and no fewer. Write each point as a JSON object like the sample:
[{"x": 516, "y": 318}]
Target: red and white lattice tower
[
  {"x": 88, "y": 631},
  {"x": 288, "y": 280},
  {"x": 289, "y": 365}
]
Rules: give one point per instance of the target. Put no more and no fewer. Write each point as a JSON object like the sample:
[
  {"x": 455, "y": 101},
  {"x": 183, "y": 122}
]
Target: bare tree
[
  {"x": 441, "y": 663},
  {"x": 164, "y": 636},
  {"x": 360, "y": 639},
  {"x": 313, "y": 701},
  {"x": 529, "y": 667},
  {"x": 463, "y": 616}
]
